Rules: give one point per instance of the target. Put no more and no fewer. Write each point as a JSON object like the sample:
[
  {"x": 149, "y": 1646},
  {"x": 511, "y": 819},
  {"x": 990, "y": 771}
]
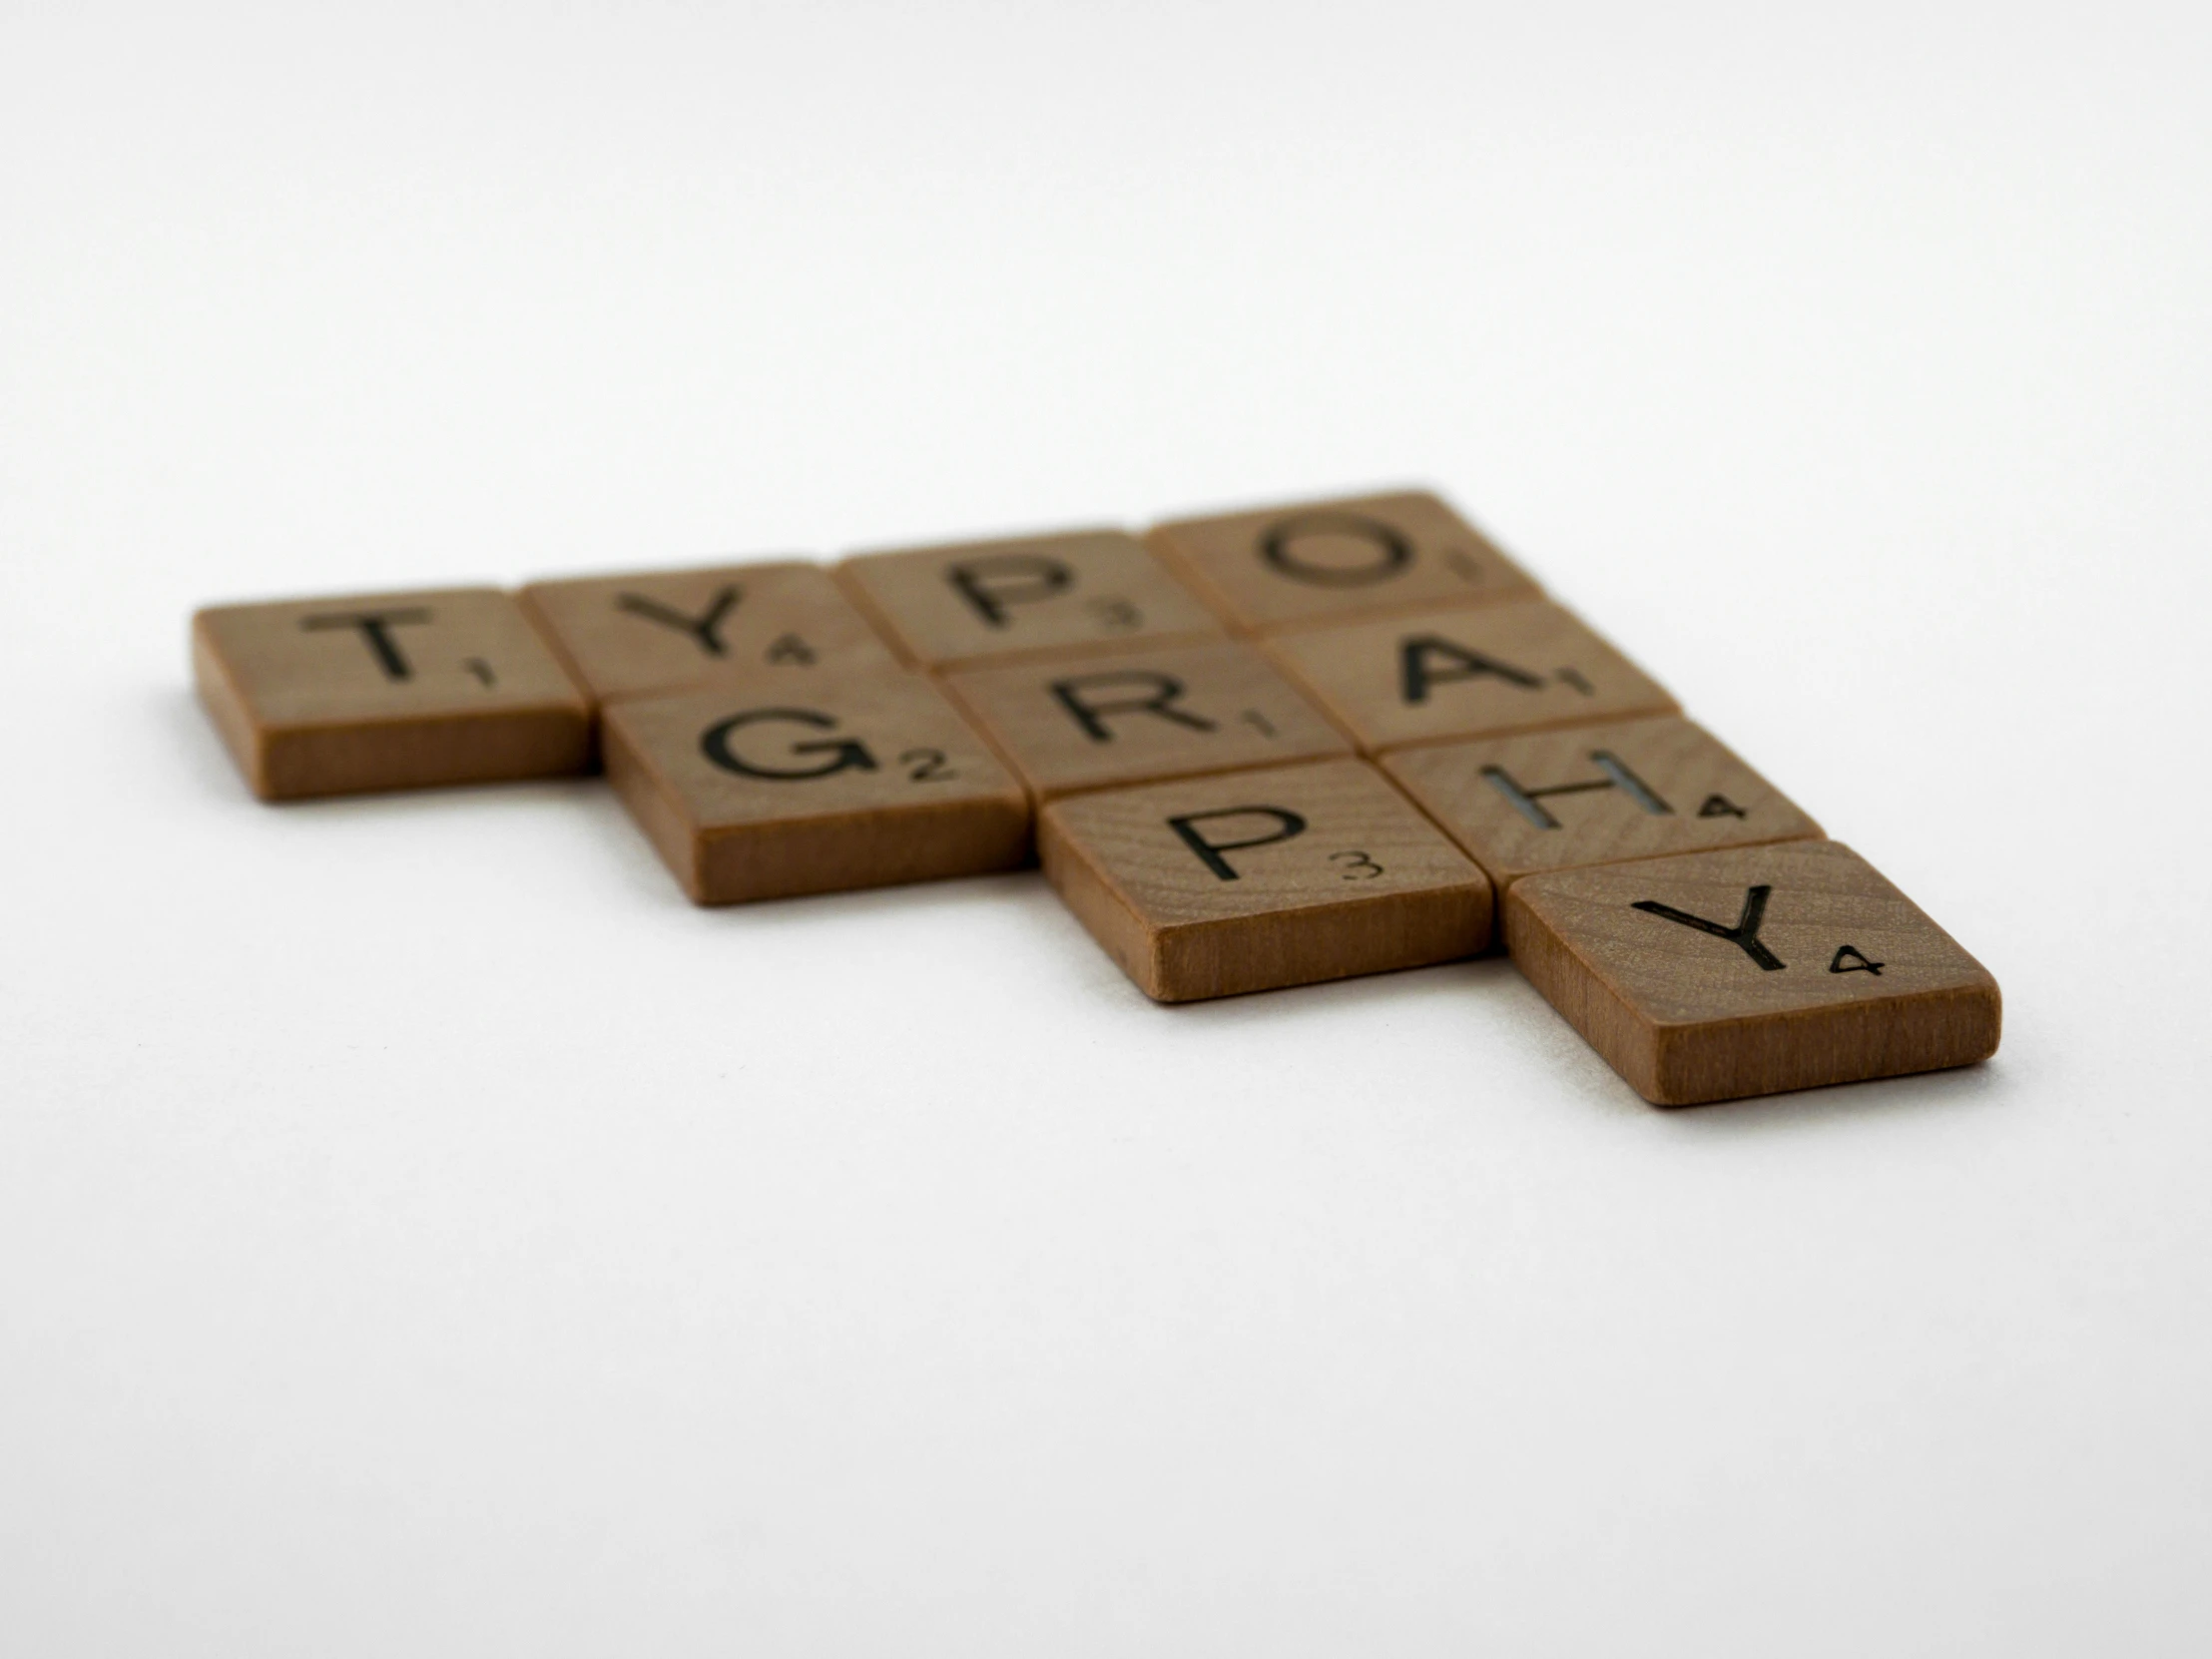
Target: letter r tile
[
  {"x": 1250, "y": 880},
  {"x": 388, "y": 690},
  {"x": 1466, "y": 672},
  {"x": 1750, "y": 970},
  {"x": 756, "y": 789},
  {"x": 1139, "y": 716},
  {"x": 1080, "y": 591}
]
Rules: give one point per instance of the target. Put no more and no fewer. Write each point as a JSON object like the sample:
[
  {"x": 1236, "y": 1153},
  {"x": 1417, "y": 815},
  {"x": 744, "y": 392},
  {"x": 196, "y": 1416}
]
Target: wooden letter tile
[
  {"x": 1750, "y": 970},
  {"x": 1465, "y": 673},
  {"x": 1328, "y": 561},
  {"x": 765, "y": 790},
  {"x": 1133, "y": 717},
  {"x": 1210, "y": 886},
  {"x": 386, "y": 692},
  {"x": 1085, "y": 590},
  {"x": 1595, "y": 794},
  {"x": 667, "y": 630}
]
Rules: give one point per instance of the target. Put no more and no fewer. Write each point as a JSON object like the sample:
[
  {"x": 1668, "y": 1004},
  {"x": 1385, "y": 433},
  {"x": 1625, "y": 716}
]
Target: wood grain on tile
[
  {"x": 666, "y": 630},
  {"x": 1595, "y": 794},
  {"x": 1324, "y": 561},
  {"x": 1080, "y": 591},
  {"x": 1248, "y": 882},
  {"x": 390, "y": 690},
  {"x": 862, "y": 779},
  {"x": 1430, "y": 676},
  {"x": 1749, "y": 971},
  {"x": 1138, "y": 716}
]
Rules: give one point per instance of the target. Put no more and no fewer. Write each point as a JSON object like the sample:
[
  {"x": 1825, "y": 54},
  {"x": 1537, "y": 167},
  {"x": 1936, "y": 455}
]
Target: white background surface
[{"x": 422, "y": 1232}]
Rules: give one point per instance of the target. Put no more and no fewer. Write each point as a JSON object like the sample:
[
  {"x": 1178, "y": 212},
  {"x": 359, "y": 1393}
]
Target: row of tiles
[
  {"x": 936, "y": 607},
  {"x": 1406, "y": 626},
  {"x": 764, "y": 724},
  {"x": 1767, "y": 960}
]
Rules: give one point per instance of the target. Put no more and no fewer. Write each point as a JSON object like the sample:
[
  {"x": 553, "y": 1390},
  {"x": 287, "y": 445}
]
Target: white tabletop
[{"x": 421, "y": 1232}]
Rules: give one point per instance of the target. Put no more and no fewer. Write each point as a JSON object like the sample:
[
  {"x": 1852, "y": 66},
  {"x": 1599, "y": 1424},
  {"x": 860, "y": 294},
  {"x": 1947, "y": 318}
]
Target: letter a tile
[
  {"x": 1134, "y": 717},
  {"x": 1595, "y": 794},
  {"x": 667, "y": 630},
  {"x": 1332, "y": 561},
  {"x": 387, "y": 691},
  {"x": 1750, "y": 971},
  {"x": 1211, "y": 886},
  {"x": 1434, "y": 675},
  {"x": 862, "y": 779},
  {"x": 1081, "y": 591}
]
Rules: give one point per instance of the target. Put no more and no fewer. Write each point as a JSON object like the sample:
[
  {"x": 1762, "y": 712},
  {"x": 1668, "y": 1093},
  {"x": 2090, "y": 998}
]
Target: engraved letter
[
  {"x": 1164, "y": 688},
  {"x": 714, "y": 743},
  {"x": 375, "y": 627},
  {"x": 991, "y": 584},
  {"x": 705, "y": 629},
  {"x": 1417, "y": 676},
  {"x": 1393, "y": 552},
  {"x": 1287, "y": 824},
  {"x": 1744, "y": 935},
  {"x": 1617, "y": 776}
]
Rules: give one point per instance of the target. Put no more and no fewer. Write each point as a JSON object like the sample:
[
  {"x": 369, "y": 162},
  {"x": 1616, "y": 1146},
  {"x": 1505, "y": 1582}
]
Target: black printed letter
[
  {"x": 990, "y": 585},
  {"x": 1164, "y": 688},
  {"x": 1744, "y": 935},
  {"x": 1393, "y": 552},
  {"x": 1417, "y": 676},
  {"x": 714, "y": 743},
  {"x": 705, "y": 628},
  {"x": 1288, "y": 823},
  {"x": 373, "y": 626}
]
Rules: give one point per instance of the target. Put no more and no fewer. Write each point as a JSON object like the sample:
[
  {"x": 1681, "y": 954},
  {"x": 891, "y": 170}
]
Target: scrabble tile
[
  {"x": 1595, "y": 794},
  {"x": 1210, "y": 886},
  {"x": 1750, "y": 970},
  {"x": 861, "y": 780},
  {"x": 667, "y": 630},
  {"x": 390, "y": 690},
  {"x": 1085, "y": 590},
  {"x": 1134, "y": 717},
  {"x": 1328, "y": 561},
  {"x": 1434, "y": 675}
]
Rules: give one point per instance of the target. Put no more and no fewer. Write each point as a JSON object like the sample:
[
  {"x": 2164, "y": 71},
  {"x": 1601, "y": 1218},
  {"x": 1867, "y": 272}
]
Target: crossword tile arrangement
[{"x": 1260, "y": 749}]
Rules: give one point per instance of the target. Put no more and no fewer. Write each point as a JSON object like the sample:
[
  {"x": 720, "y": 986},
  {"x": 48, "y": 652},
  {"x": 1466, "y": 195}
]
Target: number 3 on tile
[{"x": 1358, "y": 867}]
